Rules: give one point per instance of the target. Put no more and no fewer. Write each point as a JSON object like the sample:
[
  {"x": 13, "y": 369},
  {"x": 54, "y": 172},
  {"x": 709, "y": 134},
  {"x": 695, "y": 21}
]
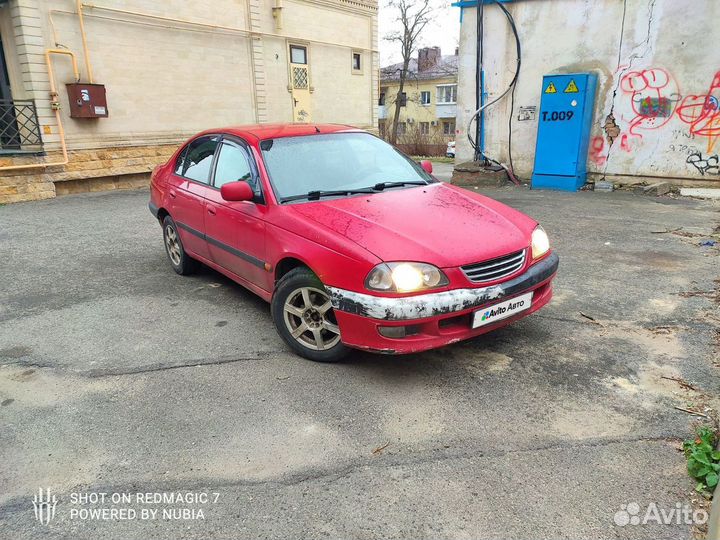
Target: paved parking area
[{"x": 118, "y": 376}]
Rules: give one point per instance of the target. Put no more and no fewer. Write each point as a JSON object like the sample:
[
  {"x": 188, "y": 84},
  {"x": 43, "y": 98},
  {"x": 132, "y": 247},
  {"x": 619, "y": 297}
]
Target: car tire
[
  {"x": 305, "y": 319},
  {"x": 180, "y": 261}
]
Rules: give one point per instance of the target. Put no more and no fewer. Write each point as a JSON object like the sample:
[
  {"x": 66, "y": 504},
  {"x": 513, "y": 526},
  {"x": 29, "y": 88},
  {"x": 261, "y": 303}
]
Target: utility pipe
[
  {"x": 53, "y": 96},
  {"x": 84, "y": 41}
]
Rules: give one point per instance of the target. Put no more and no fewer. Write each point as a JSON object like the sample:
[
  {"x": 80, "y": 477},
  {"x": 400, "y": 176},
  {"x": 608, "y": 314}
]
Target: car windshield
[{"x": 337, "y": 162}]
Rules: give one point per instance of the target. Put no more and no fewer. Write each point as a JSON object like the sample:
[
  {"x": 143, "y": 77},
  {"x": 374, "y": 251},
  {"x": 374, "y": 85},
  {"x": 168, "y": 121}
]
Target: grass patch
[{"x": 703, "y": 460}]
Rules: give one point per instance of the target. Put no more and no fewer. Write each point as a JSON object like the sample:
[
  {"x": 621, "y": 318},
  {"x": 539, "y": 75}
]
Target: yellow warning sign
[
  {"x": 571, "y": 87},
  {"x": 551, "y": 89}
]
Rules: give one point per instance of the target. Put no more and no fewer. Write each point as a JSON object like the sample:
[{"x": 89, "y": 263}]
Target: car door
[
  {"x": 235, "y": 231},
  {"x": 188, "y": 191}
]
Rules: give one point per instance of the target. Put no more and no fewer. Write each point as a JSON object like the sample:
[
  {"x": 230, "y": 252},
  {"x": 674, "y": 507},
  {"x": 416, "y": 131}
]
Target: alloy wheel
[
  {"x": 310, "y": 319},
  {"x": 172, "y": 243}
]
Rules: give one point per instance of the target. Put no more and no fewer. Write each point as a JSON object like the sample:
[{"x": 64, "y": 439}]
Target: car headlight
[
  {"x": 540, "y": 242},
  {"x": 405, "y": 277}
]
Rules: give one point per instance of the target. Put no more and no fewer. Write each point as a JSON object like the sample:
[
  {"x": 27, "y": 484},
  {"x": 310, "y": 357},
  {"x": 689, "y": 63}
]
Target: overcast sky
[{"x": 443, "y": 30}]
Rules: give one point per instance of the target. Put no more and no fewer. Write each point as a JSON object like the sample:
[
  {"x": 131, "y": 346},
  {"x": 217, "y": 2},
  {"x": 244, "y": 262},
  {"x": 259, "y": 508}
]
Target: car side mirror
[
  {"x": 236, "y": 191},
  {"x": 425, "y": 164}
]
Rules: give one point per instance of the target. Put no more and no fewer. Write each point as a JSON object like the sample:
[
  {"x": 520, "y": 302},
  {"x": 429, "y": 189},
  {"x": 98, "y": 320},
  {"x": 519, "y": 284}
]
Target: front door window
[{"x": 233, "y": 165}]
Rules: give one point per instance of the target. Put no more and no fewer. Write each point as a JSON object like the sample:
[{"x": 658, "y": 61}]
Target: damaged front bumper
[
  {"x": 440, "y": 303},
  {"x": 434, "y": 319}
]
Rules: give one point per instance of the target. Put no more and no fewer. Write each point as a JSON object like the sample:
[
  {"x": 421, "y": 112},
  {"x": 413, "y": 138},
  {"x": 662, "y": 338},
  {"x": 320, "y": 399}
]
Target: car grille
[{"x": 495, "y": 268}]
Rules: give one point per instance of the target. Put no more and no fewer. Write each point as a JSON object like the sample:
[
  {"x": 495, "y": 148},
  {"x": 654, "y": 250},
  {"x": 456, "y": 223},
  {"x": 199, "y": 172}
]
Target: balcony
[
  {"x": 445, "y": 110},
  {"x": 382, "y": 112},
  {"x": 19, "y": 127}
]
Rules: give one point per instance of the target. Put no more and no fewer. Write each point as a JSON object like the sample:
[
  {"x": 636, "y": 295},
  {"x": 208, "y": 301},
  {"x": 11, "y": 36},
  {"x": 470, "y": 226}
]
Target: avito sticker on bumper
[{"x": 503, "y": 310}]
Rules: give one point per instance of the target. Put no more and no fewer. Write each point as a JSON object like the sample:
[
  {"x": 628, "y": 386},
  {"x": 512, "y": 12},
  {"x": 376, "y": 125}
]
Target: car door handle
[
  {"x": 172, "y": 194},
  {"x": 211, "y": 210}
]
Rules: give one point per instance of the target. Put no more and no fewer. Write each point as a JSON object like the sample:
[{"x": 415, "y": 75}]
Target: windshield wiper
[
  {"x": 315, "y": 195},
  {"x": 384, "y": 185}
]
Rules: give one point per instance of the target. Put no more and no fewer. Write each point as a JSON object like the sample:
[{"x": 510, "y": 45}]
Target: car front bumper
[{"x": 434, "y": 319}]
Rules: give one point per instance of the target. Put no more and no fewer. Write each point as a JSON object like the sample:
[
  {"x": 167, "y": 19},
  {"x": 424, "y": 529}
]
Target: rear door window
[{"x": 195, "y": 162}]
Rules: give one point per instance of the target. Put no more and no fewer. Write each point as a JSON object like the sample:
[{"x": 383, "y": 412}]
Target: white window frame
[
  {"x": 402, "y": 128},
  {"x": 445, "y": 125},
  {"x": 438, "y": 101},
  {"x": 424, "y": 128},
  {"x": 429, "y": 96}
]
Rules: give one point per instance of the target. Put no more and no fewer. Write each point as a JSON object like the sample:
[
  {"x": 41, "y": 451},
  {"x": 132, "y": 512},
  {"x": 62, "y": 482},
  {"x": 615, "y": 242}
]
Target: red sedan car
[{"x": 354, "y": 244}]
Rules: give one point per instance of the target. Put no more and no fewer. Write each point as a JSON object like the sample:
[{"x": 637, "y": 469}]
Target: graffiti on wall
[
  {"x": 704, "y": 165},
  {"x": 654, "y": 100},
  {"x": 702, "y": 114},
  {"x": 599, "y": 148},
  {"x": 653, "y": 96}
]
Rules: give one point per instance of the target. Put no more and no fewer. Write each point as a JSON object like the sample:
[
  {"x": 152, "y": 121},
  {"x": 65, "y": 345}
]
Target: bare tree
[{"x": 413, "y": 16}]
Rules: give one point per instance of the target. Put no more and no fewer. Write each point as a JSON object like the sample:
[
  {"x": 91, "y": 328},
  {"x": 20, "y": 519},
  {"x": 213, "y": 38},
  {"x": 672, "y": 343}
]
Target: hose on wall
[{"x": 509, "y": 90}]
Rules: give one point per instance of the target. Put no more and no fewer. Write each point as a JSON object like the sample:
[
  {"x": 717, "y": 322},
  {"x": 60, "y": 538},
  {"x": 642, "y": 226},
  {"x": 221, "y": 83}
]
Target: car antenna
[{"x": 317, "y": 129}]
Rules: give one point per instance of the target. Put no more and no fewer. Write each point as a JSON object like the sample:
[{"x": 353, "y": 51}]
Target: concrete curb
[{"x": 714, "y": 522}]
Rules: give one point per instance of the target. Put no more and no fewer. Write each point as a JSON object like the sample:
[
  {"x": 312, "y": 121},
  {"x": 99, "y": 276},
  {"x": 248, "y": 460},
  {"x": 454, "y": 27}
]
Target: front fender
[{"x": 330, "y": 264}]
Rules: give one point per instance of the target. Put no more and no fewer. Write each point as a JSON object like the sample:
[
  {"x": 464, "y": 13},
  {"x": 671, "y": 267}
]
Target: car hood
[{"x": 439, "y": 224}]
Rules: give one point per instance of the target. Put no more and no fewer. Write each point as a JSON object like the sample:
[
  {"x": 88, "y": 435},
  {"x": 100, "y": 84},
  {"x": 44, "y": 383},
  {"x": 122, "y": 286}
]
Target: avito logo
[{"x": 502, "y": 309}]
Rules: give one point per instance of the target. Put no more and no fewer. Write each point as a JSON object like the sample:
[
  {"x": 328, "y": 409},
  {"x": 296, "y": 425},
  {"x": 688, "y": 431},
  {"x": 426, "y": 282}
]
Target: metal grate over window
[
  {"x": 19, "y": 126},
  {"x": 300, "y": 77}
]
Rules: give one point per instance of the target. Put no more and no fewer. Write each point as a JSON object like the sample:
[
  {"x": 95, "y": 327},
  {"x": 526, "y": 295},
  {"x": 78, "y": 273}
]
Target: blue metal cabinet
[{"x": 564, "y": 122}]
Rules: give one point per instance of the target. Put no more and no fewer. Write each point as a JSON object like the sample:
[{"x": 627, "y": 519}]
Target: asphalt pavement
[{"x": 118, "y": 376}]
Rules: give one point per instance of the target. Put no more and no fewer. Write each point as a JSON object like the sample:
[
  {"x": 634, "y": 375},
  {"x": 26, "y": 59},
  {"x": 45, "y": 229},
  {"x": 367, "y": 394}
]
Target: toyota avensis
[{"x": 353, "y": 244}]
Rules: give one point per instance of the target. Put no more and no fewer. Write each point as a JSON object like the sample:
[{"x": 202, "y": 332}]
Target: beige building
[
  {"x": 427, "y": 107},
  {"x": 167, "y": 70}
]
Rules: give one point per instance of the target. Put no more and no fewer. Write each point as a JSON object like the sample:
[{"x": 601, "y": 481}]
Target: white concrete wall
[{"x": 665, "y": 50}]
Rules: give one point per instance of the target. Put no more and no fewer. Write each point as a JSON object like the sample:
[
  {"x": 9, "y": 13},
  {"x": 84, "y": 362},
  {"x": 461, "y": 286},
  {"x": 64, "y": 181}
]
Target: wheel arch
[
  {"x": 162, "y": 214},
  {"x": 289, "y": 263}
]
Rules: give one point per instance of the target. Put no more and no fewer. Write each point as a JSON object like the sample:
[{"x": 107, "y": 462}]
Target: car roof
[{"x": 274, "y": 131}]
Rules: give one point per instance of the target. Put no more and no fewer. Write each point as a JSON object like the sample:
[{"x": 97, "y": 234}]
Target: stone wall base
[
  {"x": 105, "y": 183},
  {"x": 123, "y": 167}
]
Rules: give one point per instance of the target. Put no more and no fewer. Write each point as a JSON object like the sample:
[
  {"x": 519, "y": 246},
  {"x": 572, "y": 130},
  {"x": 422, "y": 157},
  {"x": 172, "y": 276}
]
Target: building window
[
  {"x": 381, "y": 101},
  {"x": 449, "y": 128},
  {"x": 357, "y": 62},
  {"x": 403, "y": 99},
  {"x": 298, "y": 54},
  {"x": 401, "y": 128},
  {"x": 447, "y": 93},
  {"x": 424, "y": 98},
  {"x": 424, "y": 128}
]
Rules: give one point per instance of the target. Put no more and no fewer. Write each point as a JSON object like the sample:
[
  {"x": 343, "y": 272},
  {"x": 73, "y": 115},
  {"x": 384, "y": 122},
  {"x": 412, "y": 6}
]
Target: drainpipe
[
  {"x": 481, "y": 123},
  {"x": 56, "y": 107},
  {"x": 84, "y": 41}
]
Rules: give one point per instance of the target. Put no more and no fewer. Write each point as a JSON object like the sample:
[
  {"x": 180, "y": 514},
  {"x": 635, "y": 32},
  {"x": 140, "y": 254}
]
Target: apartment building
[
  {"x": 427, "y": 103},
  {"x": 93, "y": 96}
]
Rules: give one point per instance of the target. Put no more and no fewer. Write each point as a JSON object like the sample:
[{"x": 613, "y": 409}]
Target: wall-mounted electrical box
[
  {"x": 87, "y": 100},
  {"x": 564, "y": 122}
]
